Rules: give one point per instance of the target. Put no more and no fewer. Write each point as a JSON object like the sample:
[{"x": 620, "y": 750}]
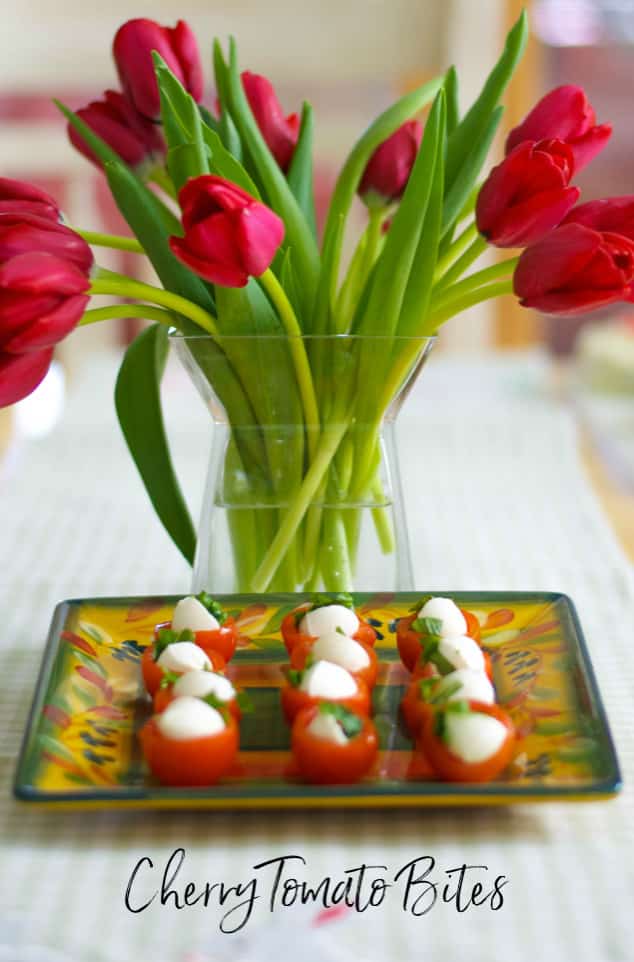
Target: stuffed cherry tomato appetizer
[
  {"x": 208, "y": 622},
  {"x": 176, "y": 654},
  {"x": 208, "y": 685},
  {"x": 356, "y": 657},
  {"x": 424, "y": 693},
  {"x": 332, "y": 745},
  {"x": 190, "y": 743},
  {"x": 324, "y": 681},
  {"x": 468, "y": 741},
  {"x": 435, "y": 617},
  {"x": 441, "y": 656},
  {"x": 325, "y": 615}
]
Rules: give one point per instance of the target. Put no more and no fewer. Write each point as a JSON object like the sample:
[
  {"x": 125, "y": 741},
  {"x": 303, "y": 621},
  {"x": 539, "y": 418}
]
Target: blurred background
[{"x": 350, "y": 60}]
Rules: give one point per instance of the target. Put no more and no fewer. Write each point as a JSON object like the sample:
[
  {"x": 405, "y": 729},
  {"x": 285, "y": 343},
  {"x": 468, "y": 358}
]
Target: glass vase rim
[{"x": 178, "y": 336}]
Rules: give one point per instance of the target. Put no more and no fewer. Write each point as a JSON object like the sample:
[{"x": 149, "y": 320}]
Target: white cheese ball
[
  {"x": 199, "y": 684},
  {"x": 473, "y": 737},
  {"x": 474, "y": 686},
  {"x": 324, "y": 620},
  {"x": 189, "y": 718},
  {"x": 326, "y": 727},
  {"x": 190, "y": 613},
  {"x": 446, "y": 611},
  {"x": 462, "y": 652},
  {"x": 182, "y": 656},
  {"x": 340, "y": 650},
  {"x": 325, "y": 680}
]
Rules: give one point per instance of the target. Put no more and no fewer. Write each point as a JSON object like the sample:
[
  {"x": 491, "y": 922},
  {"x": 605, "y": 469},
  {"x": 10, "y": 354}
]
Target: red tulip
[
  {"x": 134, "y": 138},
  {"x": 614, "y": 214},
  {"x": 389, "y": 167},
  {"x": 42, "y": 298},
  {"x": 279, "y": 132},
  {"x": 22, "y": 234},
  {"x": 20, "y": 374},
  {"x": 229, "y": 236},
  {"x": 564, "y": 114},
  {"x": 132, "y": 50},
  {"x": 19, "y": 197},
  {"x": 575, "y": 269},
  {"x": 527, "y": 194}
]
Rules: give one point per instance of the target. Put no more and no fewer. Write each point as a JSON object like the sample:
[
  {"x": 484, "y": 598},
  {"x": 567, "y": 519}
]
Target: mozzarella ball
[
  {"x": 473, "y": 737},
  {"x": 340, "y": 650},
  {"x": 474, "y": 686},
  {"x": 325, "y": 680},
  {"x": 322, "y": 621},
  {"x": 190, "y": 613},
  {"x": 462, "y": 652},
  {"x": 326, "y": 727},
  {"x": 182, "y": 656},
  {"x": 448, "y": 613},
  {"x": 189, "y": 718},
  {"x": 199, "y": 684}
]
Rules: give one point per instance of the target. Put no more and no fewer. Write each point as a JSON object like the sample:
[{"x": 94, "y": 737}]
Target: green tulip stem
[
  {"x": 452, "y": 307},
  {"x": 114, "y": 241},
  {"x": 457, "y": 269},
  {"x": 117, "y": 285},
  {"x": 474, "y": 281},
  {"x": 298, "y": 352},
  {"x": 458, "y": 247},
  {"x": 361, "y": 264},
  {"x": 113, "y": 311}
]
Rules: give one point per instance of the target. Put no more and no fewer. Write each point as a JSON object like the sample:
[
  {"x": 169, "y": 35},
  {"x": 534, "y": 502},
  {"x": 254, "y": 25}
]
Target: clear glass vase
[{"x": 303, "y": 490}]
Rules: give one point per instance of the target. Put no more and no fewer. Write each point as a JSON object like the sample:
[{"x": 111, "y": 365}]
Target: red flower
[
  {"x": 18, "y": 197},
  {"x": 132, "y": 50},
  {"x": 614, "y": 214},
  {"x": 20, "y": 374},
  {"x": 279, "y": 132},
  {"x": 134, "y": 138},
  {"x": 575, "y": 269},
  {"x": 527, "y": 194},
  {"x": 21, "y": 234},
  {"x": 229, "y": 236},
  {"x": 389, "y": 167},
  {"x": 564, "y": 114}
]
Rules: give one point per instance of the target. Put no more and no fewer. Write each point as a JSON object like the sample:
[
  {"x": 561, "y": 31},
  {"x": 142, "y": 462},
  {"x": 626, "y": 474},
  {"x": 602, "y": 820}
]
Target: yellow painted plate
[{"x": 81, "y": 749}]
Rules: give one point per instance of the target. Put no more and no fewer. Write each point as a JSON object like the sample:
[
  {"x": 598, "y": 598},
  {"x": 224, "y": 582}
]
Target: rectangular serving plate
[{"x": 81, "y": 749}]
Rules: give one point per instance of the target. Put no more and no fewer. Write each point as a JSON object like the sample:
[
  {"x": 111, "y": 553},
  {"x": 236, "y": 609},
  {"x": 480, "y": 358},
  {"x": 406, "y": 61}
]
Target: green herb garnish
[
  {"x": 440, "y": 721},
  {"x": 323, "y": 600},
  {"x": 431, "y": 653},
  {"x": 421, "y": 603},
  {"x": 167, "y": 636},
  {"x": 294, "y": 677},
  {"x": 428, "y": 626},
  {"x": 213, "y": 607},
  {"x": 350, "y": 723},
  {"x": 169, "y": 677}
]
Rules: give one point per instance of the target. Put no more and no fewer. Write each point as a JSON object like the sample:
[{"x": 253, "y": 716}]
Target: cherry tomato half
[
  {"x": 455, "y": 769},
  {"x": 153, "y": 672},
  {"x": 294, "y": 700},
  {"x": 302, "y": 650},
  {"x": 164, "y": 696},
  {"x": 323, "y": 762},
  {"x": 408, "y": 641},
  {"x": 191, "y": 761},
  {"x": 365, "y": 633}
]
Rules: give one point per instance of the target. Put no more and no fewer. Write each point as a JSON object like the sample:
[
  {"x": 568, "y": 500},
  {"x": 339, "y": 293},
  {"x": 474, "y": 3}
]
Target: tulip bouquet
[{"x": 303, "y": 357}]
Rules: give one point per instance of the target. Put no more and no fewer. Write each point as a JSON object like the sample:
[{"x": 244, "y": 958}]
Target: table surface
[{"x": 523, "y": 517}]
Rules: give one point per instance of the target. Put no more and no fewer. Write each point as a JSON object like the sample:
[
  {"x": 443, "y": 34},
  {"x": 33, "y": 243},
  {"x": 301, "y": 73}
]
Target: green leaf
[
  {"x": 180, "y": 115},
  {"x": 182, "y": 163},
  {"x": 459, "y": 192},
  {"x": 138, "y": 405},
  {"x": 225, "y": 164},
  {"x": 451, "y": 93},
  {"x": 350, "y": 723},
  {"x": 213, "y": 607},
  {"x": 325, "y": 600},
  {"x": 428, "y": 626},
  {"x": 472, "y": 127},
  {"x": 208, "y": 118},
  {"x": 300, "y": 172}
]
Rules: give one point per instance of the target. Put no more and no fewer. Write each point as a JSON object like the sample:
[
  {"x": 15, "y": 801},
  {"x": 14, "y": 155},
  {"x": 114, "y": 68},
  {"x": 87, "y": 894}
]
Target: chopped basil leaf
[
  {"x": 221, "y": 706},
  {"x": 459, "y": 707},
  {"x": 168, "y": 637},
  {"x": 445, "y": 692},
  {"x": 295, "y": 677},
  {"x": 169, "y": 677},
  {"x": 350, "y": 723},
  {"x": 341, "y": 598},
  {"x": 430, "y": 653},
  {"x": 213, "y": 607},
  {"x": 421, "y": 603},
  {"x": 428, "y": 626}
]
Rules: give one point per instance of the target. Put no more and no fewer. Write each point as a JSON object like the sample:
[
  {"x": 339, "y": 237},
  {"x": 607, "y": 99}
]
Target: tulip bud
[
  {"x": 527, "y": 194},
  {"x": 279, "y": 132},
  {"x": 28, "y": 233},
  {"x": 132, "y": 50},
  {"x": 614, "y": 214},
  {"x": 134, "y": 138},
  {"x": 574, "y": 270},
  {"x": 20, "y": 374},
  {"x": 387, "y": 172},
  {"x": 229, "y": 236},
  {"x": 18, "y": 197},
  {"x": 42, "y": 298},
  {"x": 564, "y": 114}
]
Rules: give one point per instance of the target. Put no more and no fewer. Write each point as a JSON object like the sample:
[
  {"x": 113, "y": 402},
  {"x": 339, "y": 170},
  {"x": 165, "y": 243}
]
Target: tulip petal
[
  {"x": 19, "y": 309},
  {"x": 279, "y": 132},
  {"x": 549, "y": 264},
  {"x": 215, "y": 273},
  {"x": 36, "y": 207},
  {"x": 587, "y": 147},
  {"x": 21, "y": 190},
  {"x": 614, "y": 214},
  {"x": 49, "y": 328},
  {"x": 563, "y": 113},
  {"x": 209, "y": 194},
  {"x": 41, "y": 273},
  {"x": 259, "y": 232},
  {"x": 20, "y": 374},
  {"x": 185, "y": 47},
  {"x": 569, "y": 303},
  {"x": 48, "y": 238},
  {"x": 527, "y": 222}
]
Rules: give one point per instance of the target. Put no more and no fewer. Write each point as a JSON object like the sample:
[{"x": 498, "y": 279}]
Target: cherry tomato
[
  {"x": 365, "y": 633},
  {"x": 409, "y": 646},
  {"x": 455, "y": 769},
  {"x": 323, "y": 762},
  {"x": 190, "y": 761},
  {"x": 414, "y": 708},
  {"x": 153, "y": 672},
  {"x": 164, "y": 696},
  {"x": 294, "y": 699},
  {"x": 302, "y": 650},
  {"x": 221, "y": 640}
]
